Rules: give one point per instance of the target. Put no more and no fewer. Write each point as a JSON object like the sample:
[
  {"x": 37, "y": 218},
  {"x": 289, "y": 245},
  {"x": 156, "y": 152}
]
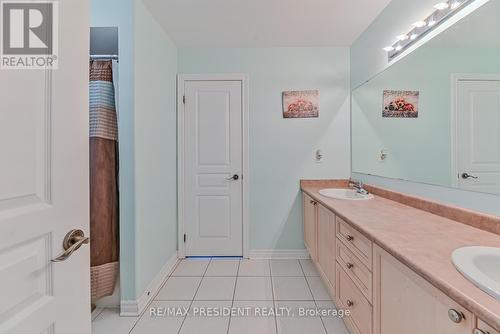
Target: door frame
[
  {"x": 455, "y": 79},
  {"x": 181, "y": 79}
]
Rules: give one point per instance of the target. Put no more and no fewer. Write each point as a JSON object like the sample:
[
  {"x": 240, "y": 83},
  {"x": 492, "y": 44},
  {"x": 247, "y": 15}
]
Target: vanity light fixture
[{"x": 442, "y": 11}]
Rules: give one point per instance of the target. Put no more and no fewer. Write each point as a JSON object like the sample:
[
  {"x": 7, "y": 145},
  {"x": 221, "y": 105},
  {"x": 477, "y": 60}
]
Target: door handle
[
  {"x": 72, "y": 242},
  {"x": 466, "y": 176},
  {"x": 235, "y": 177}
]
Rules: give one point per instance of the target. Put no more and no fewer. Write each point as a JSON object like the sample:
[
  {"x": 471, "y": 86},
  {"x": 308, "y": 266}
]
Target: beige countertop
[{"x": 422, "y": 241}]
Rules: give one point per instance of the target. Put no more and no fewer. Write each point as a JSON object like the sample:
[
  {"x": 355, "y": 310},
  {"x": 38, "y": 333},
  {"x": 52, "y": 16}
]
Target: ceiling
[{"x": 265, "y": 23}]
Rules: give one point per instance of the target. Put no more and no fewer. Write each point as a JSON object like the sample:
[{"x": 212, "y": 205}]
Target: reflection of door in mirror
[{"x": 478, "y": 134}]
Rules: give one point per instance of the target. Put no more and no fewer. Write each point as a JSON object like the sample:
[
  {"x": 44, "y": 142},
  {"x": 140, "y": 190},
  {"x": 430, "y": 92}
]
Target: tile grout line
[
  {"x": 234, "y": 295},
  {"x": 139, "y": 318},
  {"x": 98, "y": 314},
  {"x": 314, "y": 299},
  {"x": 274, "y": 301},
  {"x": 194, "y": 296}
]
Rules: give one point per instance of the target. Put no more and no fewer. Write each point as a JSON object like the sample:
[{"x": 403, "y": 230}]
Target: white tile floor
[{"x": 197, "y": 284}]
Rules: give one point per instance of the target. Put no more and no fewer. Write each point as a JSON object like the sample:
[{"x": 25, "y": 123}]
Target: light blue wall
[
  {"x": 120, "y": 13},
  {"x": 368, "y": 59},
  {"x": 155, "y": 147},
  {"x": 147, "y": 131},
  {"x": 282, "y": 150}
]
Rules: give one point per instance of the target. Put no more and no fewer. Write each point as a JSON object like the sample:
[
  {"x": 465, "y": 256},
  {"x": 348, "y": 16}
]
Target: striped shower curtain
[{"x": 104, "y": 236}]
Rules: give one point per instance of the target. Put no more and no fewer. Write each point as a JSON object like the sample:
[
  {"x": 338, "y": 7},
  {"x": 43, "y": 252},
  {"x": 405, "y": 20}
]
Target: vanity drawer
[
  {"x": 484, "y": 328},
  {"x": 355, "y": 269},
  {"x": 350, "y": 297},
  {"x": 357, "y": 243}
]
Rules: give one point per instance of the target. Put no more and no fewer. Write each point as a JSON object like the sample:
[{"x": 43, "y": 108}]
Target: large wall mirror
[{"x": 434, "y": 116}]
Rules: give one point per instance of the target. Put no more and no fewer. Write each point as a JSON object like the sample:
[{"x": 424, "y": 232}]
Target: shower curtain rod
[{"x": 104, "y": 57}]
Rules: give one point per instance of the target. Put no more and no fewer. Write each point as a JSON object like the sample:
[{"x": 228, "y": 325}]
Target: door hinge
[
  {"x": 184, "y": 99},
  {"x": 185, "y": 237}
]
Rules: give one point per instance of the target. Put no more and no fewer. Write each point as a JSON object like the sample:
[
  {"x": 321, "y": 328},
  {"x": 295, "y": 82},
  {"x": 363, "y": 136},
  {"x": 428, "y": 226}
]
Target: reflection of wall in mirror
[{"x": 420, "y": 149}]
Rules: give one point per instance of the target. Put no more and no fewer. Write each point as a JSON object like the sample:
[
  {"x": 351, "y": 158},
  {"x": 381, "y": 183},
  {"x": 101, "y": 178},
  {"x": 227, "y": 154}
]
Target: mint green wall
[
  {"x": 155, "y": 147},
  {"x": 147, "y": 131},
  {"x": 418, "y": 149},
  {"x": 282, "y": 150}
]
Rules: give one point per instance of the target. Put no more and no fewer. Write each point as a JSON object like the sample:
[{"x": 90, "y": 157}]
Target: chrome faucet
[{"x": 358, "y": 186}]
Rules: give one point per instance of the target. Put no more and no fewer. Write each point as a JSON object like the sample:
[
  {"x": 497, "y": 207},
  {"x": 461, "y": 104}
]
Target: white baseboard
[
  {"x": 279, "y": 254},
  {"x": 134, "y": 308}
]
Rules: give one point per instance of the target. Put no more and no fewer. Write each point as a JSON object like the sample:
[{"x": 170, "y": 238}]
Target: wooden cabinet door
[
  {"x": 326, "y": 243},
  {"x": 406, "y": 303},
  {"x": 310, "y": 229},
  {"x": 484, "y": 328}
]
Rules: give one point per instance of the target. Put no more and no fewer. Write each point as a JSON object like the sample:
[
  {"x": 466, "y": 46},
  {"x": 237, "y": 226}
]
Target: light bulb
[
  {"x": 402, "y": 37},
  {"x": 399, "y": 47},
  {"x": 455, "y": 4},
  {"x": 419, "y": 24},
  {"x": 388, "y": 49},
  {"x": 413, "y": 37},
  {"x": 442, "y": 6},
  {"x": 431, "y": 23}
]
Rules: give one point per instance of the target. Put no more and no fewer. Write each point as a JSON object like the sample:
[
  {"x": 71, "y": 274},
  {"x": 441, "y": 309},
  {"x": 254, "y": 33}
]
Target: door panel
[
  {"x": 44, "y": 187},
  {"x": 479, "y": 135},
  {"x": 326, "y": 243},
  {"x": 212, "y": 155},
  {"x": 310, "y": 222},
  {"x": 406, "y": 303}
]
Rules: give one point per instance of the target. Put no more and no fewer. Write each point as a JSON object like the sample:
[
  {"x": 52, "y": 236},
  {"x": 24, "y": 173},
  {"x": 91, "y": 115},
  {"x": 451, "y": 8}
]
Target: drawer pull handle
[
  {"x": 478, "y": 331},
  {"x": 350, "y": 303},
  {"x": 350, "y": 238},
  {"x": 350, "y": 265},
  {"x": 313, "y": 202},
  {"x": 456, "y": 316}
]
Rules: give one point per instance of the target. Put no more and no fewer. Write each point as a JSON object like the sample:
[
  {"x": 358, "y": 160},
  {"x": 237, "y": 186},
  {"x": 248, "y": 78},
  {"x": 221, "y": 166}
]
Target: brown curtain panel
[{"x": 104, "y": 245}]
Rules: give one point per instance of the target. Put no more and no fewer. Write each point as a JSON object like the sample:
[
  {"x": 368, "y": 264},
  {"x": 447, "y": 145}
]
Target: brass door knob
[
  {"x": 350, "y": 303},
  {"x": 350, "y": 238},
  {"x": 350, "y": 265},
  {"x": 72, "y": 242}
]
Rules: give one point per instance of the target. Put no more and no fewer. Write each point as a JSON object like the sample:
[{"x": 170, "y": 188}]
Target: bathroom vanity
[{"x": 390, "y": 263}]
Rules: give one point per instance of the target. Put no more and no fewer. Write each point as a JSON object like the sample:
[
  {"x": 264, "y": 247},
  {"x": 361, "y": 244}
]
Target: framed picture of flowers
[
  {"x": 401, "y": 103},
  {"x": 301, "y": 104}
]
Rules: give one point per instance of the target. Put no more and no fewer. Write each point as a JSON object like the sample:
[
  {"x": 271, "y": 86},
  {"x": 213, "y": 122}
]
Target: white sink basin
[
  {"x": 481, "y": 265},
  {"x": 347, "y": 194}
]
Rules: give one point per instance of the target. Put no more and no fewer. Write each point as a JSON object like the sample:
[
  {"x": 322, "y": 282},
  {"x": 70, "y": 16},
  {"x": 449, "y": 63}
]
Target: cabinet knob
[
  {"x": 350, "y": 265},
  {"x": 314, "y": 202},
  {"x": 350, "y": 238},
  {"x": 478, "y": 331},
  {"x": 456, "y": 316},
  {"x": 350, "y": 303}
]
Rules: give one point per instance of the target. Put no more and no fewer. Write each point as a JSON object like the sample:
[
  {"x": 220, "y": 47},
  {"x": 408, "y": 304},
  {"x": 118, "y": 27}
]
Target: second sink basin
[
  {"x": 481, "y": 265},
  {"x": 347, "y": 194}
]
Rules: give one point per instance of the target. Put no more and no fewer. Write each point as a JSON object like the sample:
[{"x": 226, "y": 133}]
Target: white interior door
[
  {"x": 478, "y": 135},
  {"x": 212, "y": 168},
  {"x": 44, "y": 187}
]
